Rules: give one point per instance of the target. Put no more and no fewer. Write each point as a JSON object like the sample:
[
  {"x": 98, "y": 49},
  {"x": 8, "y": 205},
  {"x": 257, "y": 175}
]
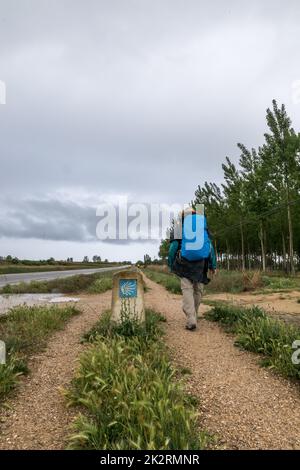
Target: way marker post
[{"x": 128, "y": 296}]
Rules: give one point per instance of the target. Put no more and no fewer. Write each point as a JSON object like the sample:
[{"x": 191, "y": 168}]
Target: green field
[{"x": 36, "y": 267}]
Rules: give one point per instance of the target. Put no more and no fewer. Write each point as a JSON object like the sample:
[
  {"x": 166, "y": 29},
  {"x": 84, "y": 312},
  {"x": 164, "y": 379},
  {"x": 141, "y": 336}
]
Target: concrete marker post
[{"x": 128, "y": 296}]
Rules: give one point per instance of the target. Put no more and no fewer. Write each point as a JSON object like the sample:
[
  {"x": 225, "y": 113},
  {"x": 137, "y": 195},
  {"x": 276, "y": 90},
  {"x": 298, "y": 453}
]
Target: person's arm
[
  {"x": 172, "y": 252},
  {"x": 212, "y": 261}
]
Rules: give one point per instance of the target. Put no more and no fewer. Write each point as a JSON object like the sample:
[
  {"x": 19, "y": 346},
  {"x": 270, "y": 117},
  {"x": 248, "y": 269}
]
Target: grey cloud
[
  {"x": 48, "y": 220},
  {"x": 138, "y": 97},
  {"x": 57, "y": 220}
]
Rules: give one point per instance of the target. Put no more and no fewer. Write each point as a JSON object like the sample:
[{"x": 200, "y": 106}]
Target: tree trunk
[
  {"x": 243, "y": 247},
  {"x": 248, "y": 257},
  {"x": 216, "y": 253},
  {"x": 262, "y": 246},
  {"x": 227, "y": 255},
  {"x": 291, "y": 241},
  {"x": 283, "y": 251}
]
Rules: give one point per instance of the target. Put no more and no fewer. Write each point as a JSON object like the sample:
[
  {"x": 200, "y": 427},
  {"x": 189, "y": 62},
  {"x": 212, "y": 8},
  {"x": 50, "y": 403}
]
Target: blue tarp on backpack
[{"x": 195, "y": 244}]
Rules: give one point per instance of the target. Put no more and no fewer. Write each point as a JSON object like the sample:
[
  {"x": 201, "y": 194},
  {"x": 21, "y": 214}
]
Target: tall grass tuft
[
  {"x": 168, "y": 280},
  {"x": 25, "y": 330},
  {"x": 259, "y": 333},
  {"x": 224, "y": 281},
  {"x": 229, "y": 281},
  {"x": 126, "y": 389}
]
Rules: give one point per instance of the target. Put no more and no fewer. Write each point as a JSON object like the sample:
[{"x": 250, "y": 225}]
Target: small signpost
[{"x": 128, "y": 295}]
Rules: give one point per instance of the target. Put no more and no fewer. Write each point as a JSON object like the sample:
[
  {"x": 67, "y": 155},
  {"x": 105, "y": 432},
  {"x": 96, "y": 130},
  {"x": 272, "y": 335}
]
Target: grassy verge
[
  {"x": 129, "y": 393},
  {"x": 224, "y": 281},
  {"x": 281, "y": 283},
  {"x": 95, "y": 283},
  {"x": 25, "y": 331},
  {"x": 168, "y": 280},
  {"x": 261, "y": 334},
  {"x": 230, "y": 281}
]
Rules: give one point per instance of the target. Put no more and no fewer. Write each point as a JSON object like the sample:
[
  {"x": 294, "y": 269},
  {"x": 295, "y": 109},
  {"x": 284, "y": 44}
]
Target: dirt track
[
  {"x": 243, "y": 405},
  {"x": 37, "y": 417}
]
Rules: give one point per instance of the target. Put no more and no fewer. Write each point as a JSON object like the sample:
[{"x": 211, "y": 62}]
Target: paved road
[{"x": 46, "y": 276}]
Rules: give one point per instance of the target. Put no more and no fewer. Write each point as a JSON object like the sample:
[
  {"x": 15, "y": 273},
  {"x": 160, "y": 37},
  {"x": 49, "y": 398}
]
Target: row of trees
[
  {"x": 254, "y": 214},
  {"x": 14, "y": 260},
  {"x": 96, "y": 259}
]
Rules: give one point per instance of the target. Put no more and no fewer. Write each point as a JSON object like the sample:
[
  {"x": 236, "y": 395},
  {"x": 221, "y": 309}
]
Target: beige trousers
[{"x": 191, "y": 297}]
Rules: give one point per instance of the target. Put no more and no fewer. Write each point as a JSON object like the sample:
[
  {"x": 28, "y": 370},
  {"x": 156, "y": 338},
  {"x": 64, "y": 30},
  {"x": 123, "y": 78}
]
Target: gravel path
[
  {"x": 37, "y": 417},
  {"x": 245, "y": 406}
]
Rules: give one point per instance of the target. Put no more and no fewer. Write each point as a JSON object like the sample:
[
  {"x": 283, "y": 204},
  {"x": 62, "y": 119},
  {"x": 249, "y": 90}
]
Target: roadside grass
[
  {"x": 168, "y": 280},
  {"x": 25, "y": 331},
  {"x": 235, "y": 282},
  {"x": 89, "y": 283},
  {"x": 224, "y": 281},
  {"x": 100, "y": 285},
  {"x": 259, "y": 333},
  {"x": 129, "y": 394},
  {"x": 161, "y": 268},
  {"x": 230, "y": 281}
]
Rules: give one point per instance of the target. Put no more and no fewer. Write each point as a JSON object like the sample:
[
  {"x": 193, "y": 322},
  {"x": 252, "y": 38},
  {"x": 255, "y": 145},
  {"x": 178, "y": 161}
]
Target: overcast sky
[{"x": 137, "y": 98}]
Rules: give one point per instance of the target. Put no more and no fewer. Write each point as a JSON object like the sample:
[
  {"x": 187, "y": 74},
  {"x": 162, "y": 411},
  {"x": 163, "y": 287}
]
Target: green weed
[
  {"x": 25, "y": 330},
  {"x": 259, "y": 333},
  {"x": 126, "y": 389}
]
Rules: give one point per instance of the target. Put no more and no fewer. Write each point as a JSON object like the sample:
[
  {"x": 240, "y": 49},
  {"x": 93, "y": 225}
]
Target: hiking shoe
[{"x": 191, "y": 327}]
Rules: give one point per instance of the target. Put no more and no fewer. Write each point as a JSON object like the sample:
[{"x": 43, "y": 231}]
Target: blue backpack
[{"x": 195, "y": 245}]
